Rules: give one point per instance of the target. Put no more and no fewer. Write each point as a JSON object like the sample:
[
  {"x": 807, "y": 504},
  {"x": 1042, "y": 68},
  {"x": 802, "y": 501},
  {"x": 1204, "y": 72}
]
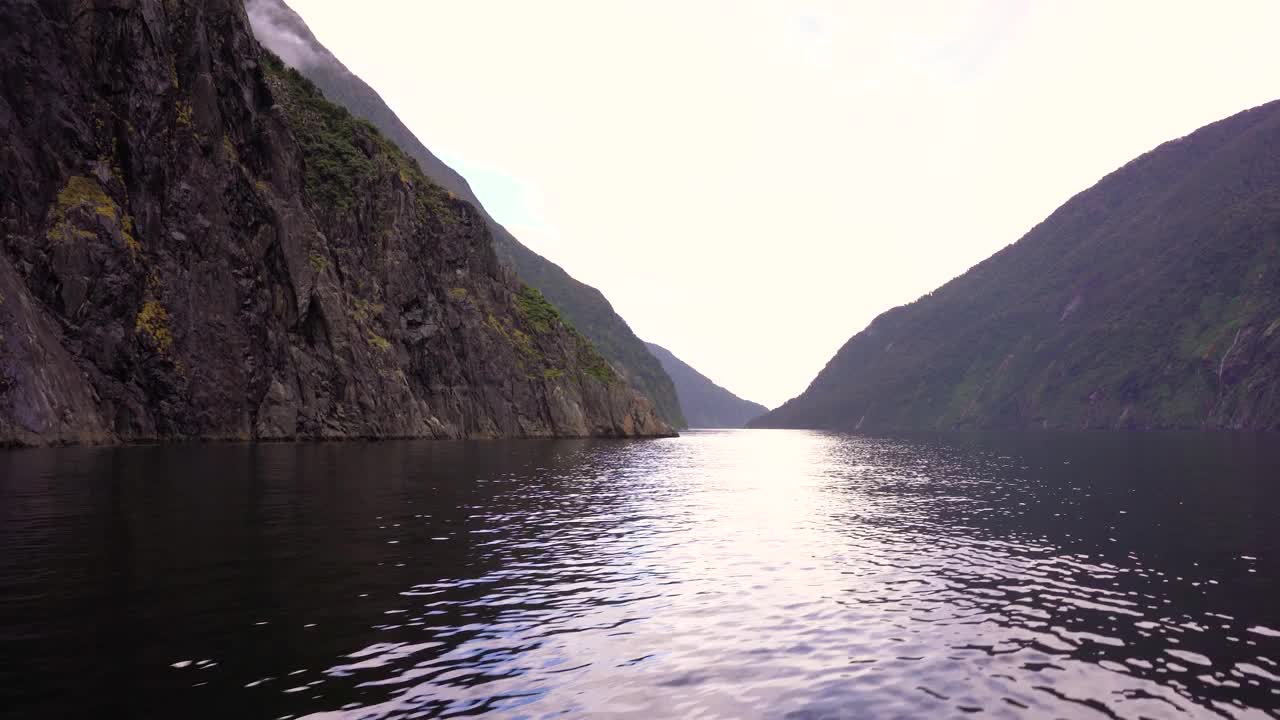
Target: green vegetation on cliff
[
  {"x": 328, "y": 134},
  {"x": 541, "y": 314},
  {"x": 344, "y": 152},
  {"x": 1150, "y": 300},
  {"x": 585, "y": 307},
  {"x": 588, "y": 310},
  {"x": 543, "y": 317}
]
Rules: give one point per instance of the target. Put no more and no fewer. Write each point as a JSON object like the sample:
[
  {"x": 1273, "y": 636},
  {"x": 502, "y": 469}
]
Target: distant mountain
[
  {"x": 706, "y": 404},
  {"x": 283, "y": 31},
  {"x": 1151, "y": 300}
]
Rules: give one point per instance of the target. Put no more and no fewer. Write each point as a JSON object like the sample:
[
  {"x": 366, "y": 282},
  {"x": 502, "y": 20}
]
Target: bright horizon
[{"x": 751, "y": 183}]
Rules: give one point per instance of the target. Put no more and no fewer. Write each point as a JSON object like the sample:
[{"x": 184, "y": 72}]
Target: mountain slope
[
  {"x": 1151, "y": 300},
  {"x": 281, "y": 29},
  {"x": 706, "y": 404},
  {"x": 198, "y": 244}
]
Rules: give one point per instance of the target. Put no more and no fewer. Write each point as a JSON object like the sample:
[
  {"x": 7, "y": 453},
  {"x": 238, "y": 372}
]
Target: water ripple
[{"x": 718, "y": 575}]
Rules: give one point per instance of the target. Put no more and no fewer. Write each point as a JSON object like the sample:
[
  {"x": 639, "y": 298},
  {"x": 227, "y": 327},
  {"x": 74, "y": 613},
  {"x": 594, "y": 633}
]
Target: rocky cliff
[
  {"x": 196, "y": 244},
  {"x": 706, "y": 404},
  {"x": 281, "y": 29},
  {"x": 1151, "y": 300}
]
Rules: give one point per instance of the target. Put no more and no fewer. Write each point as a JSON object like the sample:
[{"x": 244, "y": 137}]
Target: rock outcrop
[
  {"x": 280, "y": 28},
  {"x": 196, "y": 244}
]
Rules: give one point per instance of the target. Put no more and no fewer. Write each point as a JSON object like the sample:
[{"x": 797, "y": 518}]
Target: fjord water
[{"x": 719, "y": 574}]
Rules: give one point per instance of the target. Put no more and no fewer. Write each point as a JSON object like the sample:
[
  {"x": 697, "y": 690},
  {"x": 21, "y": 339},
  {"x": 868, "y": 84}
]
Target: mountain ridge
[
  {"x": 1148, "y": 300},
  {"x": 706, "y": 404}
]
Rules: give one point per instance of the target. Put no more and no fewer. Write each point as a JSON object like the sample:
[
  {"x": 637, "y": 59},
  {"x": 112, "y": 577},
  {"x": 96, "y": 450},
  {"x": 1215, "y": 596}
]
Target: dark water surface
[{"x": 721, "y": 574}]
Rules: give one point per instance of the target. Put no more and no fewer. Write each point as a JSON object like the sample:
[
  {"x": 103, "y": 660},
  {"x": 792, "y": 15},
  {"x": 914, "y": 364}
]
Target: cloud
[{"x": 271, "y": 22}]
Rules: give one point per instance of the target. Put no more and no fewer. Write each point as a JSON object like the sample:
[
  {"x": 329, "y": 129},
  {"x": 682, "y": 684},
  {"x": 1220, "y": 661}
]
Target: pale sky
[{"x": 751, "y": 182}]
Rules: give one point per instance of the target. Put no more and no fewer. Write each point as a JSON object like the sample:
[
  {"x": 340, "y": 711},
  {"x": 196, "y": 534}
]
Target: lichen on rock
[
  {"x": 153, "y": 324},
  {"x": 80, "y": 192}
]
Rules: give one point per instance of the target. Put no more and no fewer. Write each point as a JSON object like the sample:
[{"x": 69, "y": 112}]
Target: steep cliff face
[
  {"x": 706, "y": 404},
  {"x": 197, "y": 244},
  {"x": 1151, "y": 300},
  {"x": 281, "y": 29}
]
